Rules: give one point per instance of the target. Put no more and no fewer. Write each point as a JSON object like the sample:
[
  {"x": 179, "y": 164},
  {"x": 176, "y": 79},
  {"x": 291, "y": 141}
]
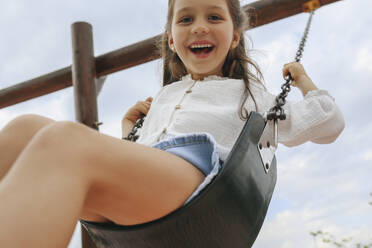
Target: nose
[{"x": 200, "y": 28}]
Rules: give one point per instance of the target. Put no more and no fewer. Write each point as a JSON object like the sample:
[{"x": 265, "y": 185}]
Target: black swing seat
[{"x": 229, "y": 212}]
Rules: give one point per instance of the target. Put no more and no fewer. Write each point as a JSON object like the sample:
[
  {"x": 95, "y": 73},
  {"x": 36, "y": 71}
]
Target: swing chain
[
  {"x": 277, "y": 112},
  {"x": 131, "y": 136},
  {"x": 303, "y": 41}
]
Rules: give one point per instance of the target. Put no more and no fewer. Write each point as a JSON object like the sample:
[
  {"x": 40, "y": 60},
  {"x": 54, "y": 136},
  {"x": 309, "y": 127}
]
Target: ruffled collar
[{"x": 205, "y": 79}]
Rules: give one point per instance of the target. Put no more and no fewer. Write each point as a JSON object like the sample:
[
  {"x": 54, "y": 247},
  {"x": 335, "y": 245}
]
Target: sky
[{"x": 319, "y": 187}]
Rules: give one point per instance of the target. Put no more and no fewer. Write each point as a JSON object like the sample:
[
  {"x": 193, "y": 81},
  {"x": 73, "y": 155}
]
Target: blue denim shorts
[{"x": 200, "y": 149}]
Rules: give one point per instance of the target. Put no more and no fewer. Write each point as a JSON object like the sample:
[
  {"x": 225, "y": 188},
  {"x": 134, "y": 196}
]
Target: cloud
[
  {"x": 292, "y": 228},
  {"x": 319, "y": 186},
  {"x": 363, "y": 59},
  {"x": 75, "y": 241},
  {"x": 55, "y": 106},
  {"x": 367, "y": 155}
]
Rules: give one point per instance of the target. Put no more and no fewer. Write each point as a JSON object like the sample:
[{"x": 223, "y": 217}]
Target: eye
[
  {"x": 185, "y": 19},
  {"x": 215, "y": 17}
]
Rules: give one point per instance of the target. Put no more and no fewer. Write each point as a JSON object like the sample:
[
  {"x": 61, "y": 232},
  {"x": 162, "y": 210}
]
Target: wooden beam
[
  {"x": 267, "y": 11},
  {"x": 261, "y": 12},
  {"x": 36, "y": 87}
]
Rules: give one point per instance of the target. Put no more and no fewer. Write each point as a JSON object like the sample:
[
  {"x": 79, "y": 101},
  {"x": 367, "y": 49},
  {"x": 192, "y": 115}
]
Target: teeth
[{"x": 201, "y": 46}]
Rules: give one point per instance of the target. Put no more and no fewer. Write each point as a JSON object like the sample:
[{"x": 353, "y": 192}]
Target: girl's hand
[
  {"x": 300, "y": 79},
  {"x": 296, "y": 70},
  {"x": 139, "y": 110}
]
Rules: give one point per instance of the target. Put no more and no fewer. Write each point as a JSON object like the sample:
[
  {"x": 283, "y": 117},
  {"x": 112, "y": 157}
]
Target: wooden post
[
  {"x": 83, "y": 81},
  {"x": 83, "y": 74}
]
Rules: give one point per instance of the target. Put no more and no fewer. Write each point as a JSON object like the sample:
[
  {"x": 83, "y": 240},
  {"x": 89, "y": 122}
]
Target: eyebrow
[{"x": 190, "y": 8}]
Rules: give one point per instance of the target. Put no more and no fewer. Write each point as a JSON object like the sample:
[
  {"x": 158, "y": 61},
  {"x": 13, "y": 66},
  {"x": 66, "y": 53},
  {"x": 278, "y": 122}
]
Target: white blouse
[{"x": 213, "y": 105}]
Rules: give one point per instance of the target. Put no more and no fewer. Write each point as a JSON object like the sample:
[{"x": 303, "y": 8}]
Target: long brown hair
[{"x": 236, "y": 62}]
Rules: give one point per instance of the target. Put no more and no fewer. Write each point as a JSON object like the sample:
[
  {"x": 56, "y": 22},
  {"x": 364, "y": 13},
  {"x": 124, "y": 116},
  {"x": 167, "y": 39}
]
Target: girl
[{"x": 55, "y": 173}]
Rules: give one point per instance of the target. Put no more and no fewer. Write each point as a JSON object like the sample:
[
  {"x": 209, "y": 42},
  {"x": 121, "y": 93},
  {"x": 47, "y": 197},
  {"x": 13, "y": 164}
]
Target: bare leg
[
  {"x": 68, "y": 168},
  {"x": 15, "y": 136},
  {"x": 39, "y": 206},
  {"x": 40, "y": 203}
]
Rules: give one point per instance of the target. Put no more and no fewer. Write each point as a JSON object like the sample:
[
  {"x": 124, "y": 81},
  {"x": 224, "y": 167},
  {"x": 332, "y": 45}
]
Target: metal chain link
[
  {"x": 277, "y": 112},
  {"x": 131, "y": 136}
]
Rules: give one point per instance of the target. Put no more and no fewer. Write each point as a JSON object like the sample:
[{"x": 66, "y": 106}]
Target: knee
[
  {"x": 61, "y": 134},
  {"x": 65, "y": 142},
  {"x": 28, "y": 123},
  {"x": 18, "y": 132},
  {"x": 66, "y": 139},
  {"x": 61, "y": 147}
]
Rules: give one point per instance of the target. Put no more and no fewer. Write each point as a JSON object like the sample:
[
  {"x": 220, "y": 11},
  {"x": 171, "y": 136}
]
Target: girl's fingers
[
  {"x": 146, "y": 110},
  {"x": 285, "y": 72},
  {"x": 293, "y": 68},
  {"x": 146, "y": 107}
]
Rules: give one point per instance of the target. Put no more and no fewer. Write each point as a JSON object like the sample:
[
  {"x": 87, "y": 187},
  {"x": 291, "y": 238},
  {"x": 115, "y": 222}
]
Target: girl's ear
[
  {"x": 170, "y": 42},
  {"x": 236, "y": 39}
]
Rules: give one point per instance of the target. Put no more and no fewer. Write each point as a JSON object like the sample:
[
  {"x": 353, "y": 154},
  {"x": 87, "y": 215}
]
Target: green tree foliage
[{"x": 327, "y": 238}]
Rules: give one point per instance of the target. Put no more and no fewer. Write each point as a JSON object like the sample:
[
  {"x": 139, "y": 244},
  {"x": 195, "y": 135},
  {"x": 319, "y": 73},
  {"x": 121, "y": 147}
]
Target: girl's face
[{"x": 206, "y": 24}]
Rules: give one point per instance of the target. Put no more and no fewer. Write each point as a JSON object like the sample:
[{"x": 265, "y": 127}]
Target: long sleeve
[
  {"x": 315, "y": 118},
  {"x": 213, "y": 106}
]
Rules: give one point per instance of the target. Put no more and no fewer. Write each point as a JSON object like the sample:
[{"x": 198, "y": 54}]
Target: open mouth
[{"x": 202, "y": 50}]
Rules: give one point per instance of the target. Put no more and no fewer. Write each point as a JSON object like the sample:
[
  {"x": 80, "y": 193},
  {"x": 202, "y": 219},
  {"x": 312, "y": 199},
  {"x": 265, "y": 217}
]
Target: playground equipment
[{"x": 83, "y": 75}]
